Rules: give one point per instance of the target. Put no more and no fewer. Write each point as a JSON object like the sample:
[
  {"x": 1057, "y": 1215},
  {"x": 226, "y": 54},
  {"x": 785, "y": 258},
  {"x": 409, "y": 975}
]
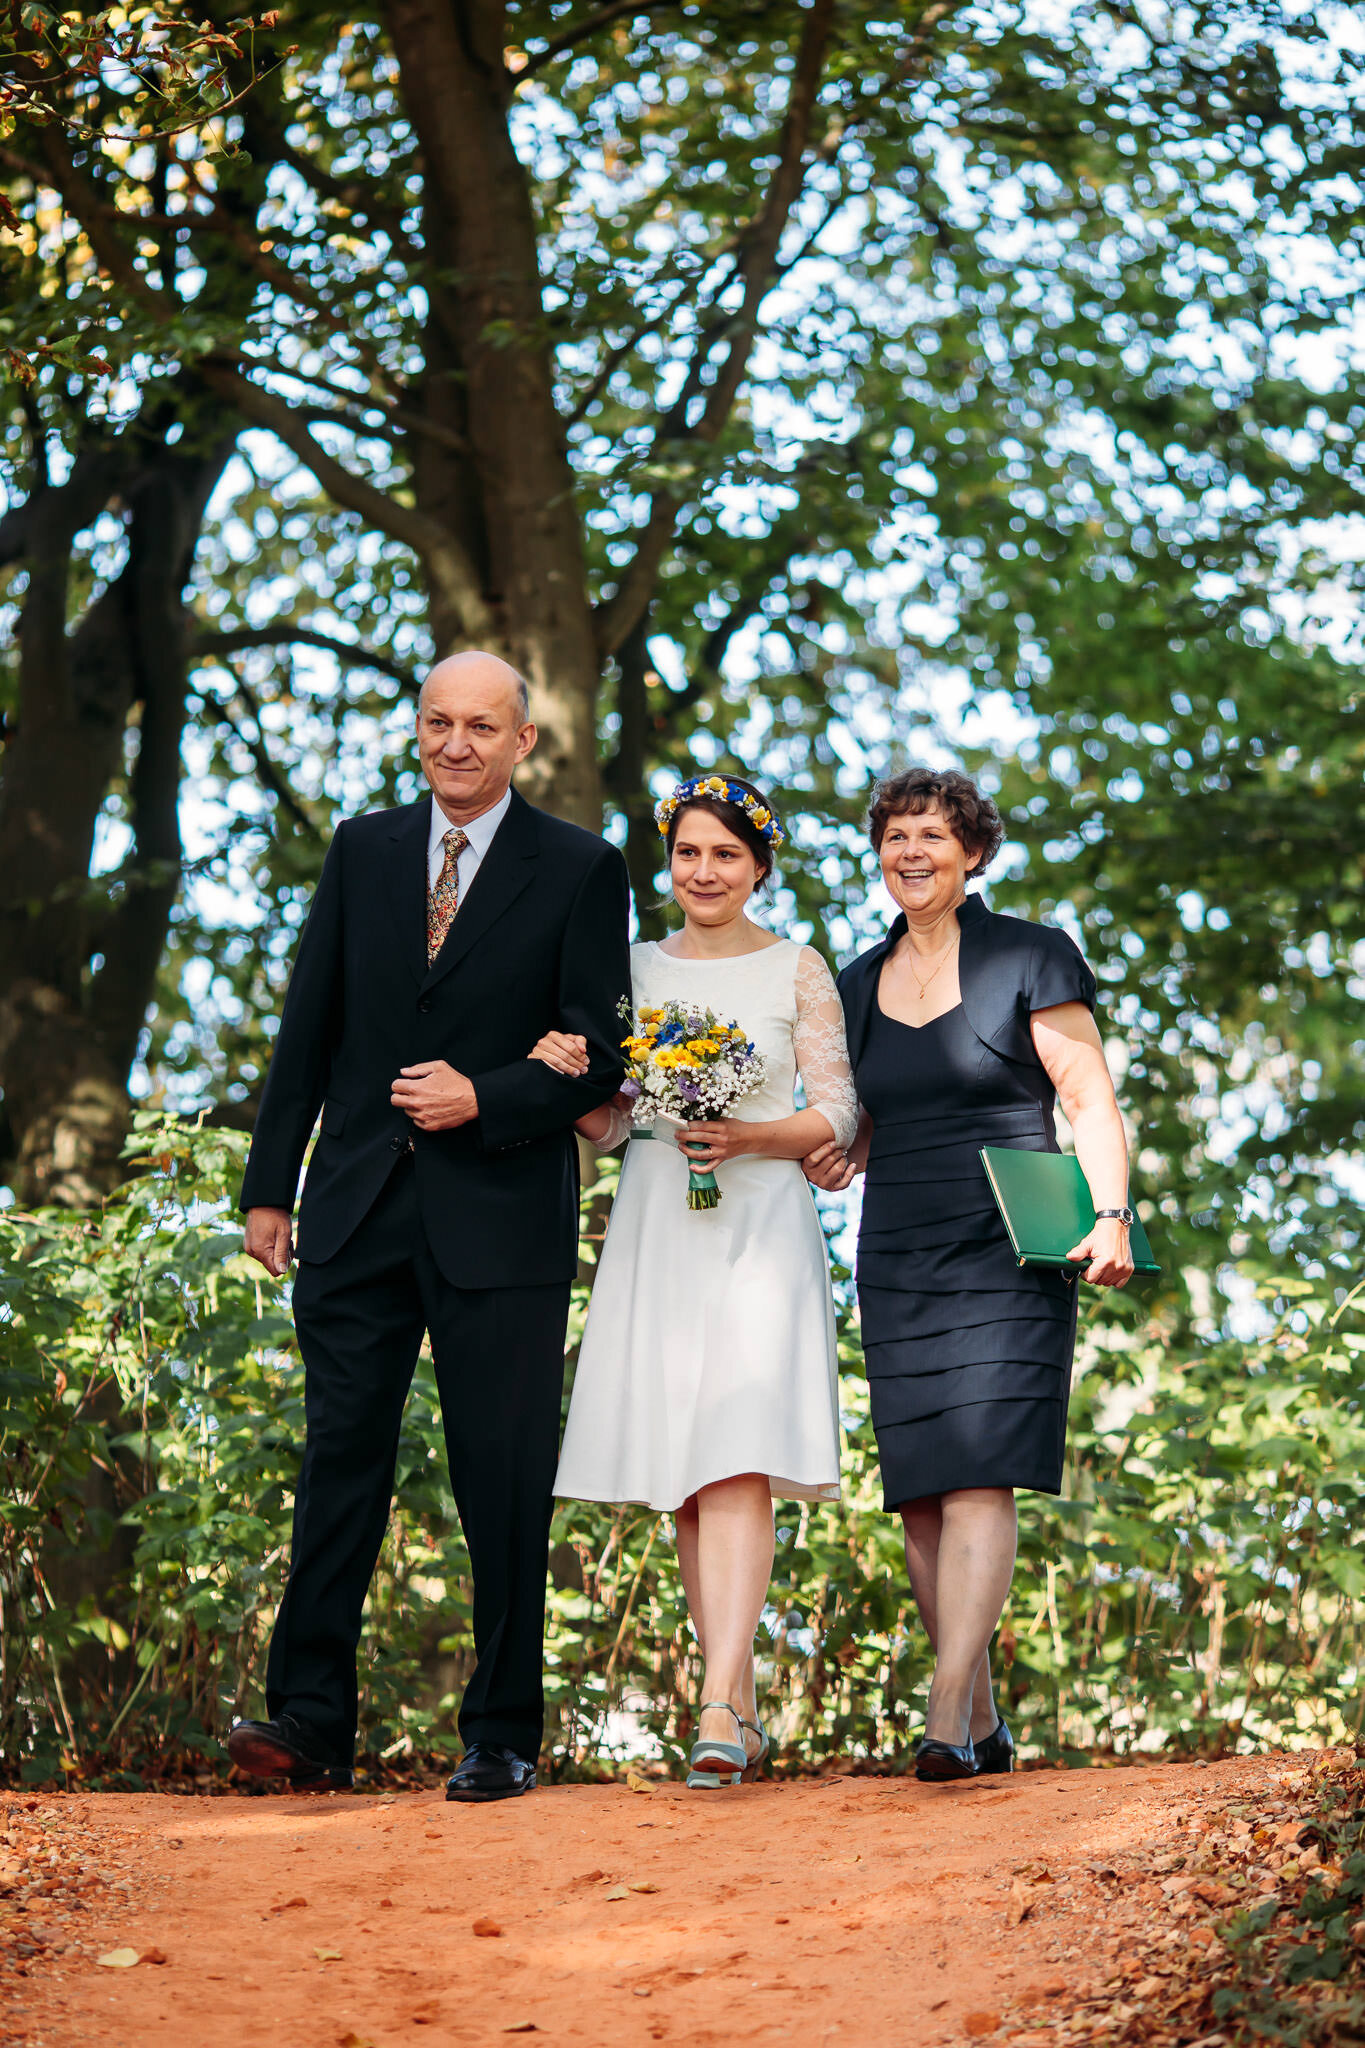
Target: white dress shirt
[{"x": 478, "y": 831}]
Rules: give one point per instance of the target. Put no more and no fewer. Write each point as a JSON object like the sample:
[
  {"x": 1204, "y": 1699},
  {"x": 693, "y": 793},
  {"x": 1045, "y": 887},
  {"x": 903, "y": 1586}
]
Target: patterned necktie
[{"x": 443, "y": 898}]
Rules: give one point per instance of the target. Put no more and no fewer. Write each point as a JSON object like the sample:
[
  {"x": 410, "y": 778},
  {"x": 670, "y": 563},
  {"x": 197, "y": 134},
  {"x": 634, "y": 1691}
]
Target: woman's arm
[
  {"x": 566, "y": 1052},
  {"x": 833, "y": 1169},
  {"x": 821, "y": 1052},
  {"x": 729, "y": 1137},
  {"x": 1067, "y": 1042}
]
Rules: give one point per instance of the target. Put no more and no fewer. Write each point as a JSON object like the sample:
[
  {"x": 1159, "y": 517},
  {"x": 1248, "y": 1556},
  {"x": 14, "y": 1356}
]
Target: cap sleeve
[{"x": 1058, "y": 972}]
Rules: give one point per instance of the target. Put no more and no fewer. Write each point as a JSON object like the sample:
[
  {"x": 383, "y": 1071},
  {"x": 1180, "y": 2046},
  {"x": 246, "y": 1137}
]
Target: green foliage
[
  {"x": 1200, "y": 1585},
  {"x": 1296, "y": 1969}
]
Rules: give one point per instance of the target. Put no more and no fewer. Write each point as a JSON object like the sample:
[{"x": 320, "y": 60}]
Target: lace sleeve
[
  {"x": 822, "y": 1048},
  {"x": 616, "y": 1133}
]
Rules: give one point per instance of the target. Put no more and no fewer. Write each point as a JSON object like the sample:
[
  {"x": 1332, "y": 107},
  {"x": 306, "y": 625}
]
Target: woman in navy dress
[{"x": 964, "y": 1028}]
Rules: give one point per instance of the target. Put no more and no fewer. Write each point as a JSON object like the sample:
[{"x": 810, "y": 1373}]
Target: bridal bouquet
[{"x": 684, "y": 1063}]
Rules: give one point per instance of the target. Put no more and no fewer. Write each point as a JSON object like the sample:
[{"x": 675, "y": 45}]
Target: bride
[{"x": 706, "y": 1380}]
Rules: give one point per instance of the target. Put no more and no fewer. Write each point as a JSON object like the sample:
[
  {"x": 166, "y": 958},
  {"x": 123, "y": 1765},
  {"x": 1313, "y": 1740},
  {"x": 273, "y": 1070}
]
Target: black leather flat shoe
[
  {"x": 286, "y": 1747},
  {"x": 996, "y": 1753},
  {"x": 486, "y": 1772},
  {"x": 937, "y": 1762}
]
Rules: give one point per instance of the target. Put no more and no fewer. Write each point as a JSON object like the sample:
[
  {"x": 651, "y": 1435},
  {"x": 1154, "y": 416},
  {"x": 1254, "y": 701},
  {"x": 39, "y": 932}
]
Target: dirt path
[{"x": 875, "y": 1912}]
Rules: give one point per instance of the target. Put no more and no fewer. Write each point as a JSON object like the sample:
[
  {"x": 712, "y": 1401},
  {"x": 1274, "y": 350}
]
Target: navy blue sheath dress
[{"x": 968, "y": 1356}]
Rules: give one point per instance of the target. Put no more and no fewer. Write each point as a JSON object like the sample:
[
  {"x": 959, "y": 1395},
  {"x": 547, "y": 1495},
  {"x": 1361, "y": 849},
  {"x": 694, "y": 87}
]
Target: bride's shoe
[
  {"x": 755, "y": 1763},
  {"x": 714, "y": 1764}
]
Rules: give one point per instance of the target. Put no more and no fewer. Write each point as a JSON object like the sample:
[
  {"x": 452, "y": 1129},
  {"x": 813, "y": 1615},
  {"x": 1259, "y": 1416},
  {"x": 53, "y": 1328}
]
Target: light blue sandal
[
  {"x": 713, "y": 1765},
  {"x": 755, "y": 1763}
]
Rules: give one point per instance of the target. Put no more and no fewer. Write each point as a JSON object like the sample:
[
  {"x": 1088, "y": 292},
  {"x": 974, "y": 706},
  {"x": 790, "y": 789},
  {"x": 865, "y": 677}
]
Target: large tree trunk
[
  {"x": 77, "y": 968},
  {"x": 509, "y": 497}
]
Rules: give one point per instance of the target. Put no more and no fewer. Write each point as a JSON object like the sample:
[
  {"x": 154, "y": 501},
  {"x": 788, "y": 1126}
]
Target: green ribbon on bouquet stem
[{"x": 702, "y": 1192}]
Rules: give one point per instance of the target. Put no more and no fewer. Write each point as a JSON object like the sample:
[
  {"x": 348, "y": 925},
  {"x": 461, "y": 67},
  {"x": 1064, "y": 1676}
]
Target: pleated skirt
[{"x": 968, "y": 1355}]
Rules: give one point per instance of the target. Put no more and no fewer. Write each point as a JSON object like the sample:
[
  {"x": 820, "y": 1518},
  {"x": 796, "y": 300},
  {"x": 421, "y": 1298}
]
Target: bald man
[{"x": 441, "y": 1196}]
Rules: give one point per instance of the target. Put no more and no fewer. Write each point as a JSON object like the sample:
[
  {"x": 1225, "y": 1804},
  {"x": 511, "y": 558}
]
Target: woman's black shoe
[
  {"x": 996, "y": 1753},
  {"x": 936, "y": 1762}
]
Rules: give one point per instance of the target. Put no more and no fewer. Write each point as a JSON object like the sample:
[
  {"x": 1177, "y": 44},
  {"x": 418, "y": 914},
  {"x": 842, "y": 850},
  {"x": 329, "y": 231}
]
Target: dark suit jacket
[
  {"x": 539, "y": 942},
  {"x": 1007, "y": 968}
]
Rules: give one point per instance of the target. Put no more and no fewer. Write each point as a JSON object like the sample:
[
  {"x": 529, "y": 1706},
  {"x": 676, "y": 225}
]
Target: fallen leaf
[
  {"x": 484, "y": 1926},
  {"x": 119, "y": 1959},
  {"x": 645, "y": 1887},
  {"x": 354, "y": 2041},
  {"x": 328, "y": 1955},
  {"x": 636, "y": 1783},
  {"x": 1020, "y": 1905},
  {"x": 433, "y": 1834},
  {"x": 154, "y": 1955},
  {"x": 617, "y": 1891},
  {"x": 285, "y": 1905},
  {"x": 522, "y": 2027}
]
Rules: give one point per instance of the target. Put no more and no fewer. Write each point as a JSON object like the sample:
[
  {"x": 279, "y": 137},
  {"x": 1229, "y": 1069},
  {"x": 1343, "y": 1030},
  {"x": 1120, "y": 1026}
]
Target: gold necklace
[{"x": 923, "y": 986}]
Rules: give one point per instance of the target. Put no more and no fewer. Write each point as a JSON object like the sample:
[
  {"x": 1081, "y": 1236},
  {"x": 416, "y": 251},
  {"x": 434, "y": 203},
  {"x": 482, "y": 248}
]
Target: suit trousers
[{"x": 499, "y": 1359}]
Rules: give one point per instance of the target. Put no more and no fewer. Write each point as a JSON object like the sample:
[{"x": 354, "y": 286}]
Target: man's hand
[
  {"x": 435, "y": 1096},
  {"x": 269, "y": 1239}
]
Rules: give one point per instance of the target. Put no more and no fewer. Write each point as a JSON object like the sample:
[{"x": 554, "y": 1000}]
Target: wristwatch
[{"x": 1119, "y": 1216}]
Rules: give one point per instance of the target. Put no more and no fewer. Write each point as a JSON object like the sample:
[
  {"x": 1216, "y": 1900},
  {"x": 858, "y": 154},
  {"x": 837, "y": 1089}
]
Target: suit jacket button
[
  {"x": 400, "y": 1144},
  {"x": 424, "y": 1003}
]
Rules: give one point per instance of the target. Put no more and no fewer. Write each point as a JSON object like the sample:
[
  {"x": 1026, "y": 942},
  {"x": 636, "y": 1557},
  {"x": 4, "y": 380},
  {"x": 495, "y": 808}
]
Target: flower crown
[{"x": 758, "y": 814}]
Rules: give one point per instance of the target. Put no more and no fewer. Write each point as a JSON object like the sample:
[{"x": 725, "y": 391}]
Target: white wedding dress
[{"x": 709, "y": 1347}]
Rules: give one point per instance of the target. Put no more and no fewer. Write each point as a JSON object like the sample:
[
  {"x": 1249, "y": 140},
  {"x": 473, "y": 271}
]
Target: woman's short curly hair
[{"x": 971, "y": 815}]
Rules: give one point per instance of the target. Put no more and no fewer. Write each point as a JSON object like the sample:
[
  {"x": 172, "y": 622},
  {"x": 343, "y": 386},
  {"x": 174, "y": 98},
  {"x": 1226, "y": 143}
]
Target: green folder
[{"x": 1046, "y": 1205}]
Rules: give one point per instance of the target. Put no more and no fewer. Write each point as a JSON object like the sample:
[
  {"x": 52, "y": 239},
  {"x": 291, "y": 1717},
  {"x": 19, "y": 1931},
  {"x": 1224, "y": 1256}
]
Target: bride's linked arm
[
  {"x": 828, "y": 1125},
  {"x": 822, "y": 1055},
  {"x": 567, "y": 1052},
  {"x": 822, "y": 1062}
]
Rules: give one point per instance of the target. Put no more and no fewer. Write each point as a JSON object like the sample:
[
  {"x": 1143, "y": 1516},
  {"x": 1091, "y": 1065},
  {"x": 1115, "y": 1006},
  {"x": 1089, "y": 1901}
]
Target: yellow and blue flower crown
[{"x": 758, "y": 814}]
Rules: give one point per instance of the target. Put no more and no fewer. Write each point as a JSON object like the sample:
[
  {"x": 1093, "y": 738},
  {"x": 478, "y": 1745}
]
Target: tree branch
[
  {"x": 111, "y": 252},
  {"x": 445, "y": 559},
  {"x": 589, "y": 26},
  {"x": 287, "y": 632},
  {"x": 269, "y": 774},
  {"x": 756, "y": 267},
  {"x": 437, "y": 546}
]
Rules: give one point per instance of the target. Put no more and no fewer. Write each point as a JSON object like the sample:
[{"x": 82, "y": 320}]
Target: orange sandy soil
[{"x": 871, "y": 1911}]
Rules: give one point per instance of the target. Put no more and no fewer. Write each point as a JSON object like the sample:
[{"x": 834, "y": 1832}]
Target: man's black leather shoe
[
  {"x": 996, "y": 1753},
  {"x": 937, "y": 1761},
  {"x": 286, "y": 1747},
  {"x": 485, "y": 1772}
]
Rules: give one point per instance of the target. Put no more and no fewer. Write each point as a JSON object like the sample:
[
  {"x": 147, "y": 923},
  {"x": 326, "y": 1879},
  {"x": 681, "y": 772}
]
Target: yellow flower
[
  {"x": 760, "y": 818},
  {"x": 702, "y": 1047},
  {"x": 716, "y": 783}
]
